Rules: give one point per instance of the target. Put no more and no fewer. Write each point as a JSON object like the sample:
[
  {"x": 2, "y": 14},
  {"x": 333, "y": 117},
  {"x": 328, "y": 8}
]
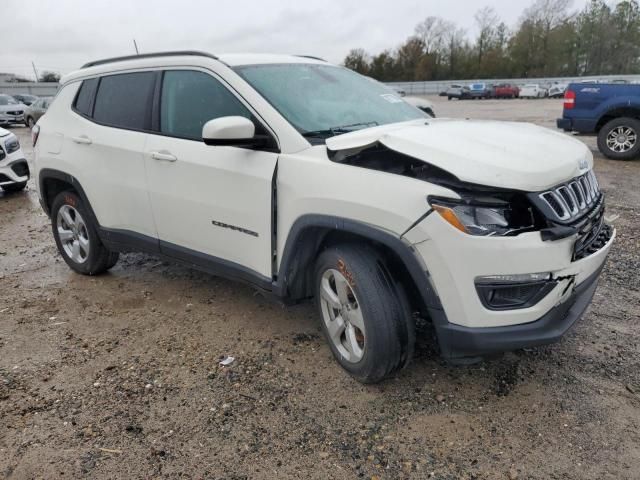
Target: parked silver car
[
  {"x": 458, "y": 91},
  {"x": 36, "y": 110},
  {"x": 24, "y": 98},
  {"x": 11, "y": 111}
]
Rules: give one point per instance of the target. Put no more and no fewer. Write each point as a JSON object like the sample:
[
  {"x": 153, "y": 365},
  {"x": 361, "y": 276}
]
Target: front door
[{"x": 211, "y": 204}]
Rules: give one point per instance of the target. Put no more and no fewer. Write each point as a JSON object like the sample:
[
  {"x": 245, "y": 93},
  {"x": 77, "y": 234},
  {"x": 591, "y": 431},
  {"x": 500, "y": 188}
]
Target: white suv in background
[
  {"x": 14, "y": 169},
  {"x": 308, "y": 180}
]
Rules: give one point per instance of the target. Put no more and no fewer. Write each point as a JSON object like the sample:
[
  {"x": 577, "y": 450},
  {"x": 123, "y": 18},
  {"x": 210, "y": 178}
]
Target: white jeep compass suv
[{"x": 308, "y": 180}]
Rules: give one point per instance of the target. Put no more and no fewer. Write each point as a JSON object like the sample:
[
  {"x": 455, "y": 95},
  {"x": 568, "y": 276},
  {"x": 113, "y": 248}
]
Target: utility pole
[
  {"x": 136, "y": 46},
  {"x": 35, "y": 71}
]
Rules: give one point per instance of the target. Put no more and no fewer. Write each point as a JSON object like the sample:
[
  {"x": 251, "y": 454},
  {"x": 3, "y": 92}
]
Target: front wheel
[
  {"x": 76, "y": 236},
  {"x": 618, "y": 138},
  {"x": 365, "y": 315},
  {"x": 30, "y": 122}
]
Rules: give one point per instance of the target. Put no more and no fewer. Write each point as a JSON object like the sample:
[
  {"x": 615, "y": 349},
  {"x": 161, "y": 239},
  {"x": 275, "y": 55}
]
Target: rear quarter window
[
  {"x": 84, "y": 99},
  {"x": 124, "y": 100}
]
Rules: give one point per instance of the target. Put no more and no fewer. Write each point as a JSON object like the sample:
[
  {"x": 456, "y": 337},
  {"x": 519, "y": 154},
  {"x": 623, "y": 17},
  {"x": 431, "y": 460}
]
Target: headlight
[
  {"x": 485, "y": 218},
  {"x": 12, "y": 145}
]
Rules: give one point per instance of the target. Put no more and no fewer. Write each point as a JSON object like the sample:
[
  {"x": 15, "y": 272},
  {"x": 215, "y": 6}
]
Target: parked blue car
[
  {"x": 479, "y": 90},
  {"x": 609, "y": 110}
]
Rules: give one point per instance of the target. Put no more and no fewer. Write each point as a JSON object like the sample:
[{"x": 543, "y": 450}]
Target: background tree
[
  {"x": 357, "y": 59},
  {"x": 549, "y": 40},
  {"x": 52, "y": 77}
]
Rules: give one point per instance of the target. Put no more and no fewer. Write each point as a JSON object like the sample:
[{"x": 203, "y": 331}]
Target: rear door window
[{"x": 124, "y": 100}]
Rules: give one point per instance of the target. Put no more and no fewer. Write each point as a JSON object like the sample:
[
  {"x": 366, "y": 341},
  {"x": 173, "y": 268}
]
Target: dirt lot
[{"x": 117, "y": 376}]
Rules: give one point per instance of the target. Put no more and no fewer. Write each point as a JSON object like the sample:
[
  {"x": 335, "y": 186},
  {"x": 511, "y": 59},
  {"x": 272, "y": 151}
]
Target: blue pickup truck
[{"x": 609, "y": 110}]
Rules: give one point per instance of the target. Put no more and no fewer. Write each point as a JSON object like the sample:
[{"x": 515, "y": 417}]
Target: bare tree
[
  {"x": 487, "y": 21},
  {"x": 432, "y": 31},
  {"x": 548, "y": 13}
]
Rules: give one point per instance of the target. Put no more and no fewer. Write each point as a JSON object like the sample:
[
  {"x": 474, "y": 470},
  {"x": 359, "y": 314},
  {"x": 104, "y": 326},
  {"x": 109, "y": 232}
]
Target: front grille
[
  {"x": 578, "y": 205},
  {"x": 16, "y": 112},
  {"x": 569, "y": 201}
]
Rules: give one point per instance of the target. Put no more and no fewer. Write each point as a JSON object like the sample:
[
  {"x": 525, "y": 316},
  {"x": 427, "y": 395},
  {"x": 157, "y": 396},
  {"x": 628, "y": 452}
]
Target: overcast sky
[{"x": 61, "y": 35}]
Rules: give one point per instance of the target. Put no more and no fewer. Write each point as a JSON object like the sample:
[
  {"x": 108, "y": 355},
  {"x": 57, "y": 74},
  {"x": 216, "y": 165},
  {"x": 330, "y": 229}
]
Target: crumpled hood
[{"x": 512, "y": 155}]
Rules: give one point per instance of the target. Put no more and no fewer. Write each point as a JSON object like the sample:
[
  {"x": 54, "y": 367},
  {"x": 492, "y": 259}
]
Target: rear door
[
  {"x": 106, "y": 141},
  {"x": 211, "y": 204}
]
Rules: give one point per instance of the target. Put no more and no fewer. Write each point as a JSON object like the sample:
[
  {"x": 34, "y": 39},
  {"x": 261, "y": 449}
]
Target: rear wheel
[
  {"x": 618, "y": 139},
  {"x": 365, "y": 315},
  {"x": 76, "y": 236}
]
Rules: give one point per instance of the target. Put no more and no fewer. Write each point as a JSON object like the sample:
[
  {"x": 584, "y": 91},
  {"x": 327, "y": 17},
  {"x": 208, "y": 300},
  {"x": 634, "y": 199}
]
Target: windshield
[
  {"x": 323, "y": 100},
  {"x": 7, "y": 100}
]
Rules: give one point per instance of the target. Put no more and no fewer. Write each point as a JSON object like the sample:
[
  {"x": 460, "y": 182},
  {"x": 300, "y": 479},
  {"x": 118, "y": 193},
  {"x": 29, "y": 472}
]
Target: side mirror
[{"x": 229, "y": 131}]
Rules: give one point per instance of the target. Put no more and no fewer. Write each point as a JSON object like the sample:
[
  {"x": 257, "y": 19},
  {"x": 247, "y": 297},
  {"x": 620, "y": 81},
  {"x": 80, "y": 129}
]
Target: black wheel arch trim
[
  {"x": 50, "y": 173},
  {"x": 617, "y": 111},
  {"x": 297, "y": 240}
]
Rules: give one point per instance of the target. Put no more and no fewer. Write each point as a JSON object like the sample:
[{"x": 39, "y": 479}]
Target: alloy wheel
[
  {"x": 73, "y": 234},
  {"x": 342, "y": 315},
  {"x": 621, "y": 139}
]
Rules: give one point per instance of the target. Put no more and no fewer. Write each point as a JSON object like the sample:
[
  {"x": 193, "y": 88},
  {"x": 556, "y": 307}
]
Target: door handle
[
  {"x": 82, "y": 140},
  {"x": 163, "y": 156}
]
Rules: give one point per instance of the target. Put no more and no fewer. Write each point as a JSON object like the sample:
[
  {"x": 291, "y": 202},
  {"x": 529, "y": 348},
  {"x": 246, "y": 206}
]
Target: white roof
[{"x": 231, "y": 59}]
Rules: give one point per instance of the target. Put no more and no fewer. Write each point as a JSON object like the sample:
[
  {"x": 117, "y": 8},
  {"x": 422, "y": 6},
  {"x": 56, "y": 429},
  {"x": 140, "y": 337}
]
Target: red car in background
[{"x": 505, "y": 90}]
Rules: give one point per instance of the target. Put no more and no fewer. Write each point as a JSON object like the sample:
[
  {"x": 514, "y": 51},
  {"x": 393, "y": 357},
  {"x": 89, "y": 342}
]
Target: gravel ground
[{"x": 117, "y": 376}]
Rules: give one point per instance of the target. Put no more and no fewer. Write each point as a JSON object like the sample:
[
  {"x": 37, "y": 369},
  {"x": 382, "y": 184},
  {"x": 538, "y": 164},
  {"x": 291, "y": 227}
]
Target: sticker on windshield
[{"x": 391, "y": 98}]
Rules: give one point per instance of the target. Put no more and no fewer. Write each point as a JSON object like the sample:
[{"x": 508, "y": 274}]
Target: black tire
[
  {"x": 14, "y": 187},
  {"x": 30, "y": 122},
  {"x": 99, "y": 259},
  {"x": 390, "y": 330},
  {"x": 449, "y": 98},
  {"x": 608, "y": 128}
]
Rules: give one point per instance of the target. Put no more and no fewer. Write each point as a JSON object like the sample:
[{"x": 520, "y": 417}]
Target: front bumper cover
[
  {"x": 8, "y": 171},
  {"x": 457, "y": 342}
]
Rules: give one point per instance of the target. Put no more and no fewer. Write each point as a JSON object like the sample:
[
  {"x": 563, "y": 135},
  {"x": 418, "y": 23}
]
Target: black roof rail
[
  {"x": 311, "y": 57},
  {"x": 193, "y": 53}
]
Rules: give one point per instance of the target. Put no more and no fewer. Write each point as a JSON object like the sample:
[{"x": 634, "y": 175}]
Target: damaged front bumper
[
  {"x": 466, "y": 326},
  {"x": 458, "y": 342}
]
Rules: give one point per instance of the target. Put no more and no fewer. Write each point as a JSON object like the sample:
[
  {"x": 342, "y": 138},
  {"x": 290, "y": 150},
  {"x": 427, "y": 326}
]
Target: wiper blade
[{"x": 330, "y": 132}]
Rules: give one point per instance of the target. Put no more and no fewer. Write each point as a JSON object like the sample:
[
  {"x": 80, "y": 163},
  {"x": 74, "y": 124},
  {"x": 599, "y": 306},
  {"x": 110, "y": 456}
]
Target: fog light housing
[{"x": 512, "y": 292}]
